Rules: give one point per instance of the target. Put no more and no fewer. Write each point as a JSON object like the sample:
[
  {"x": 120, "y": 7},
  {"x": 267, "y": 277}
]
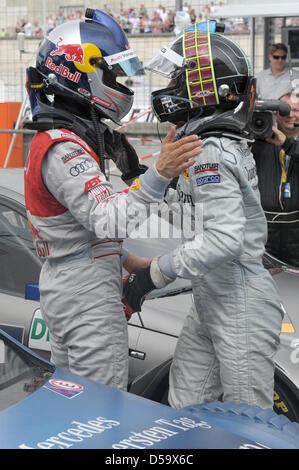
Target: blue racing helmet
[{"x": 81, "y": 60}]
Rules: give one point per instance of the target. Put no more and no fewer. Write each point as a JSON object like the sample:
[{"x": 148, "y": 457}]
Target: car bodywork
[
  {"x": 153, "y": 332},
  {"x": 65, "y": 411}
]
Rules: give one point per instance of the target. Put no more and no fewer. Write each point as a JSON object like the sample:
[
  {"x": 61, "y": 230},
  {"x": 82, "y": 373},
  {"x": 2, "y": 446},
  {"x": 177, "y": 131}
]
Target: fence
[{"x": 149, "y": 27}]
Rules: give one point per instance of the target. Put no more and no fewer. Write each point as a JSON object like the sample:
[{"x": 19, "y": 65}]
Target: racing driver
[
  {"x": 77, "y": 221},
  {"x": 229, "y": 339}
]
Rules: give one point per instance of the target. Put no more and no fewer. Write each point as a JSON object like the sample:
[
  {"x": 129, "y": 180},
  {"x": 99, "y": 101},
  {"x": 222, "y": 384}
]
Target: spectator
[
  {"x": 159, "y": 10},
  {"x": 135, "y": 23},
  {"x": 71, "y": 16},
  {"x": 157, "y": 24},
  {"x": 3, "y": 33},
  {"x": 277, "y": 162},
  {"x": 206, "y": 12},
  {"x": 80, "y": 15},
  {"x": 131, "y": 11},
  {"x": 273, "y": 82},
  {"x": 192, "y": 16},
  {"x": 145, "y": 24},
  {"x": 186, "y": 7},
  {"x": 50, "y": 23},
  {"x": 201, "y": 16},
  {"x": 143, "y": 10},
  {"x": 37, "y": 31},
  {"x": 163, "y": 15},
  {"x": 28, "y": 28},
  {"x": 60, "y": 18},
  {"x": 121, "y": 10},
  {"x": 237, "y": 25},
  {"x": 18, "y": 27},
  {"x": 126, "y": 24},
  {"x": 213, "y": 8},
  {"x": 169, "y": 24}
]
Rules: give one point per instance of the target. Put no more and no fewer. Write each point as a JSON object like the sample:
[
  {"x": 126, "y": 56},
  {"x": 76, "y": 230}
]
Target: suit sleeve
[
  {"x": 219, "y": 212},
  {"x": 75, "y": 179}
]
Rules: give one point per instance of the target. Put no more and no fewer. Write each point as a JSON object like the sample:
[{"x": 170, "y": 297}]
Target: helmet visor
[
  {"x": 167, "y": 63},
  {"x": 125, "y": 64}
]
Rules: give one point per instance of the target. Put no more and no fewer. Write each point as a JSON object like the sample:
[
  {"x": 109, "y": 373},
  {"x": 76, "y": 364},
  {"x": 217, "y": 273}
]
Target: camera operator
[{"x": 277, "y": 162}]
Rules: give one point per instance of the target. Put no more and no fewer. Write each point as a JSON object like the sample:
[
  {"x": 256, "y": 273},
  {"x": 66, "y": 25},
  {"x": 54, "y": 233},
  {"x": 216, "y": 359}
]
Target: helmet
[
  {"x": 79, "y": 62},
  {"x": 206, "y": 71}
]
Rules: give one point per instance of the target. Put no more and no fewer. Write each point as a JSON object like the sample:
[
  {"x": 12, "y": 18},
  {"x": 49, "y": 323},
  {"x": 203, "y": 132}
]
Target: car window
[
  {"x": 20, "y": 373},
  {"x": 18, "y": 260}
]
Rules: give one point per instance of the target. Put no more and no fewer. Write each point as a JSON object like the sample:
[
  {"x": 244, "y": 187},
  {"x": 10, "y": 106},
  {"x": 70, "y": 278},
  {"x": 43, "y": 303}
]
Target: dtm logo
[
  {"x": 65, "y": 388},
  {"x": 72, "y": 52}
]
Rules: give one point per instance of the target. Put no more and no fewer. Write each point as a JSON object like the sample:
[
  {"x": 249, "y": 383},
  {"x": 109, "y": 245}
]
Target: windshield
[{"x": 20, "y": 373}]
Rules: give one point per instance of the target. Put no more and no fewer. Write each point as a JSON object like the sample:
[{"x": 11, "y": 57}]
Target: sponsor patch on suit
[{"x": 208, "y": 179}]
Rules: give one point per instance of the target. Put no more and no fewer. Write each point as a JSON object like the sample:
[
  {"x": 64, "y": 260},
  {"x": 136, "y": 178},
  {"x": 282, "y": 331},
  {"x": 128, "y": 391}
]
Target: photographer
[{"x": 277, "y": 162}]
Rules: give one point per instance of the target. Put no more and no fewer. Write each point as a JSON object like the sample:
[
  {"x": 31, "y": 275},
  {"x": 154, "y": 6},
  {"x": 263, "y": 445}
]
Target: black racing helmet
[{"x": 206, "y": 71}]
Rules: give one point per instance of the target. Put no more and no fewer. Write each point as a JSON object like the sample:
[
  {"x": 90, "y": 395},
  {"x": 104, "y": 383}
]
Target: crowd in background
[{"x": 140, "y": 20}]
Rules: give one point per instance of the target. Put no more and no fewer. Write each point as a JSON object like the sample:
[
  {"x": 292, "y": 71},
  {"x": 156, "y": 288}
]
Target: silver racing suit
[
  {"x": 229, "y": 339},
  {"x": 77, "y": 224}
]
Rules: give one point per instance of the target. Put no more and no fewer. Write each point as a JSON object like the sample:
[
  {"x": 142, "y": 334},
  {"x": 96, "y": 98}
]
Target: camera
[
  {"x": 261, "y": 124},
  {"x": 263, "y": 118}
]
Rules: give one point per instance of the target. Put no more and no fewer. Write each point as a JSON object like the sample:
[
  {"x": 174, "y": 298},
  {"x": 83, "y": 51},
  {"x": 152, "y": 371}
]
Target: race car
[
  {"x": 153, "y": 332},
  {"x": 44, "y": 407}
]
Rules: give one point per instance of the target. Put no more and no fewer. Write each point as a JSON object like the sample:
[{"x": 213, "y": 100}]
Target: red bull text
[{"x": 63, "y": 71}]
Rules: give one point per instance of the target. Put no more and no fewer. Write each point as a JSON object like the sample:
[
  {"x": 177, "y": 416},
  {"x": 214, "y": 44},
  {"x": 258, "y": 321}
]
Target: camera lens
[{"x": 259, "y": 123}]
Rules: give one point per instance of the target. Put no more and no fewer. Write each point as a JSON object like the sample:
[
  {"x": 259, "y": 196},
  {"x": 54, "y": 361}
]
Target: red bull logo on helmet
[{"x": 72, "y": 52}]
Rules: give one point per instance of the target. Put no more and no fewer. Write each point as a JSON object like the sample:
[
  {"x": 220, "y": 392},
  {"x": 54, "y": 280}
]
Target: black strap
[{"x": 116, "y": 146}]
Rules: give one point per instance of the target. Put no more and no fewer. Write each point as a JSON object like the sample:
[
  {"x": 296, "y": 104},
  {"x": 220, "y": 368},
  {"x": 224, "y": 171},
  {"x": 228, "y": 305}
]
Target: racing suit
[
  {"x": 229, "y": 339},
  {"x": 78, "y": 225}
]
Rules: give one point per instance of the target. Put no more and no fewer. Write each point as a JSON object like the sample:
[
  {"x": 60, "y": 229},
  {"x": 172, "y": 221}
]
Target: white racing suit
[
  {"x": 229, "y": 339},
  {"x": 78, "y": 225}
]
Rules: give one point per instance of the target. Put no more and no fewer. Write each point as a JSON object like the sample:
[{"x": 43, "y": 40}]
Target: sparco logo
[{"x": 81, "y": 167}]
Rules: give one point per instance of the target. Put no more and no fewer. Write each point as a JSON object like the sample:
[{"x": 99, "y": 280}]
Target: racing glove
[
  {"x": 127, "y": 309},
  {"x": 142, "y": 282}
]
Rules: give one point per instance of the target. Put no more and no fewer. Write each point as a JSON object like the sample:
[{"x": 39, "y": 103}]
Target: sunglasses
[{"x": 282, "y": 57}]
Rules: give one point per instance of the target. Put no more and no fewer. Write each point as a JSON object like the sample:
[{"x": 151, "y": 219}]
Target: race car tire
[
  {"x": 285, "y": 402},
  {"x": 263, "y": 426}
]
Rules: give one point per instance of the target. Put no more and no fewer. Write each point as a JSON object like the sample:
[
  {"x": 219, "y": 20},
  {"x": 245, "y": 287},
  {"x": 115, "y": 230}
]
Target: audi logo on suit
[{"x": 81, "y": 167}]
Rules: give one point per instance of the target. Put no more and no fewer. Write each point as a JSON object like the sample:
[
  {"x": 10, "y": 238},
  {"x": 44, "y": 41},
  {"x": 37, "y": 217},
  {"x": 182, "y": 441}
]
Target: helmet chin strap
[
  {"x": 99, "y": 138},
  {"x": 217, "y": 124}
]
